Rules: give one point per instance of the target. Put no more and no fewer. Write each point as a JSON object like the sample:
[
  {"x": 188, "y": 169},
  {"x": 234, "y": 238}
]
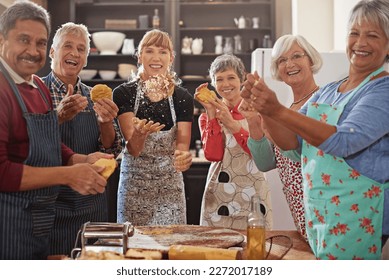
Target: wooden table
[{"x": 286, "y": 245}]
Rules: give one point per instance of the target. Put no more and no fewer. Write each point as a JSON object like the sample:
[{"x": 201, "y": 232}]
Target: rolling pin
[{"x": 188, "y": 252}]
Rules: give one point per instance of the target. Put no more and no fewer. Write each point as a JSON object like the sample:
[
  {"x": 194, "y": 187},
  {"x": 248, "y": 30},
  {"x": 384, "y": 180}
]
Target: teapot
[
  {"x": 242, "y": 22},
  {"x": 197, "y": 46}
]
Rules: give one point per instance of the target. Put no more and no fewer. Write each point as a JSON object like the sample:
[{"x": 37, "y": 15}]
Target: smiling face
[
  {"x": 155, "y": 60},
  {"x": 228, "y": 85},
  {"x": 295, "y": 68},
  {"x": 25, "y": 47},
  {"x": 367, "y": 46},
  {"x": 70, "y": 57}
]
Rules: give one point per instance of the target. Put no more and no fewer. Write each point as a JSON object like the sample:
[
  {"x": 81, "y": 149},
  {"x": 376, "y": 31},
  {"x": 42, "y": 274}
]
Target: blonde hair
[{"x": 158, "y": 38}]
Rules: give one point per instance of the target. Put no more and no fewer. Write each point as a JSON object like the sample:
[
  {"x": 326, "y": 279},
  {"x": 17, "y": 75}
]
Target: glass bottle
[
  {"x": 256, "y": 238},
  {"x": 156, "y": 20}
]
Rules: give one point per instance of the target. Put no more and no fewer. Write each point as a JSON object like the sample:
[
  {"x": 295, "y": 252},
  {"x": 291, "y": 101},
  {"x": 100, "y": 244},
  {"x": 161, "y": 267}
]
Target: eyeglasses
[{"x": 296, "y": 57}]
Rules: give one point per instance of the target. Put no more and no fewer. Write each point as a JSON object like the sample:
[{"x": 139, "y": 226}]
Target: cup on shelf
[{"x": 255, "y": 21}]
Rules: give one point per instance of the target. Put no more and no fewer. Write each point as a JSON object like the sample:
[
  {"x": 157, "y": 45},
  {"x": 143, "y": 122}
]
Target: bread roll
[
  {"x": 100, "y": 91},
  {"x": 109, "y": 164},
  {"x": 205, "y": 95}
]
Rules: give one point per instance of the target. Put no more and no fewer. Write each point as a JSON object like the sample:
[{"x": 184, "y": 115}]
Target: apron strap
[
  {"x": 16, "y": 91},
  {"x": 366, "y": 80}
]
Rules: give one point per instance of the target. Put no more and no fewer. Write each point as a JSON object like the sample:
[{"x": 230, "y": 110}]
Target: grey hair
[
  {"x": 373, "y": 11},
  {"x": 72, "y": 29},
  {"x": 284, "y": 43},
  {"x": 23, "y": 10},
  {"x": 225, "y": 62}
]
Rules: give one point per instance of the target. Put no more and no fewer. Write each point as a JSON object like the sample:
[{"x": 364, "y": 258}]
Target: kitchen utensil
[{"x": 103, "y": 232}]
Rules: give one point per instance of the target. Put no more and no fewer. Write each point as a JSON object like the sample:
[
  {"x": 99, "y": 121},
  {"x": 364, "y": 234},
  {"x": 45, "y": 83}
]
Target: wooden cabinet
[
  {"x": 195, "y": 179},
  {"x": 180, "y": 18},
  {"x": 207, "y": 19},
  {"x": 94, "y": 14}
]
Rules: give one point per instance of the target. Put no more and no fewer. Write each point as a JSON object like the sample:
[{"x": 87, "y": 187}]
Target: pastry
[
  {"x": 109, "y": 164},
  {"x": 205, "y": 95},
  {"x": 100, "y": 91}
]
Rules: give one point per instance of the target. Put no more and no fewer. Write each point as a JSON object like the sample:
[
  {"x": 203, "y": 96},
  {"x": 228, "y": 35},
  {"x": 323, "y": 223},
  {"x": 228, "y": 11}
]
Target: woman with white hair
[
  {"x": 343, "y": 136},
  {"x": 294, "y": 61}
]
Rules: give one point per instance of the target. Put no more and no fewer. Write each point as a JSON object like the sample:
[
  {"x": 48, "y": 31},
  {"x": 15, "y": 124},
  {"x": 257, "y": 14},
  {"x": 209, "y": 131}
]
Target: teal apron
[{"x": 344, "y": 209}]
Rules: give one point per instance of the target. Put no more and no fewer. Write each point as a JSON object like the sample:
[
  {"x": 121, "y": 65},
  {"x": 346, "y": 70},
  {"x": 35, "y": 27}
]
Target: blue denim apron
[{"x": 27, "y": 217}]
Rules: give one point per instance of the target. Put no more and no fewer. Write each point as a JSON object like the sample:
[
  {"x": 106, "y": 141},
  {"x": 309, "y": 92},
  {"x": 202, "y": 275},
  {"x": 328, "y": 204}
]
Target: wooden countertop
[
  {"x": 286, "y": 245},
  {"x": 300, "y": 249}
]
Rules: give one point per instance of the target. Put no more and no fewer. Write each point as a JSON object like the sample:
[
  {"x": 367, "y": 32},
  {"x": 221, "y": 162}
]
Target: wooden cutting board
[{"x": 162, "y": 237}]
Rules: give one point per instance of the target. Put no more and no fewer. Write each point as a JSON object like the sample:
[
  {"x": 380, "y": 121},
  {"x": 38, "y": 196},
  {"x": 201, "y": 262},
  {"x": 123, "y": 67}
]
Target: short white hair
[{"x": 284, "y": 44}]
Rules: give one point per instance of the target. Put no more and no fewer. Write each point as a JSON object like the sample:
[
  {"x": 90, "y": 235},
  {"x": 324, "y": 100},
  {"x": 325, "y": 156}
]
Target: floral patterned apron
[
  {"x": 344, "y": 209},
  {"x": 230, "y": 185}
]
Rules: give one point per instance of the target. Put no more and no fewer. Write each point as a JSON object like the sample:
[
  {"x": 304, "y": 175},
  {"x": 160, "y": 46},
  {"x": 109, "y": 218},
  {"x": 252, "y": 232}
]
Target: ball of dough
[
  {"x": 100, "y": 91},
  {"x": 205, "y": 95},
  {"x": 109, "y": 164}
]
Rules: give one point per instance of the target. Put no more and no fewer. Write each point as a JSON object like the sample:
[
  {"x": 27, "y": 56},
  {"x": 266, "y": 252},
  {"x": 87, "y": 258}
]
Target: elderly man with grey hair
[
  {"x": 85, "y": 127},
  {"x": 31, "y": 153}
]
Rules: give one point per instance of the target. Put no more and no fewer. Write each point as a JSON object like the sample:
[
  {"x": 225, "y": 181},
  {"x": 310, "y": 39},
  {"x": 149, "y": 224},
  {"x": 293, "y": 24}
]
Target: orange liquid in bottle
[{"x": 256, "y": 249}]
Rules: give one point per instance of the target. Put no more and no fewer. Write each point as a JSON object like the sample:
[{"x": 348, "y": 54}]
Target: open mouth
[
  {"x": 292, "y": 73},
  {"x": 71, "y": 62}
]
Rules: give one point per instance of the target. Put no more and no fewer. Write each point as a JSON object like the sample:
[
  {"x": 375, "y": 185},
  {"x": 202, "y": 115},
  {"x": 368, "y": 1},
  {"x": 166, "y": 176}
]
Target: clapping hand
[{"x": 70, "y": 105}]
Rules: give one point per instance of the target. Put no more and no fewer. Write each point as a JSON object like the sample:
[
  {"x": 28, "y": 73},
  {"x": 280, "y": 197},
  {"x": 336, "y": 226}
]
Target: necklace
[{"x": 306, "y": 96}]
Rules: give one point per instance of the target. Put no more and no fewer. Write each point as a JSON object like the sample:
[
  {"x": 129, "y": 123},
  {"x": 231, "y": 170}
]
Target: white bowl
[
  {"x": 87, "y": 74},
  {"x": 107, "y": 74},
  {"x": 108, "y": 42},
  {"x": 126, "y": 70}
]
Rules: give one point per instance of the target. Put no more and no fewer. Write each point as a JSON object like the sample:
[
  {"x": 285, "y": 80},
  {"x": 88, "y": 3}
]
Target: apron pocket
[{"x": 43, "y": 214}]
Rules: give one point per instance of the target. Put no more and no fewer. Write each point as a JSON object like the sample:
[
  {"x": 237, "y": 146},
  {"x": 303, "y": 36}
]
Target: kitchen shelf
[{"x": 218, "y": 18}]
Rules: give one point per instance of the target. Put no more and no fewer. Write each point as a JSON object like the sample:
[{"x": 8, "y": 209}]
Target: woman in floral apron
[
  {"x": 233, "y": 177},
  {"x": 344, "y": 134},
  {"x": 155, "y": 116}
]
